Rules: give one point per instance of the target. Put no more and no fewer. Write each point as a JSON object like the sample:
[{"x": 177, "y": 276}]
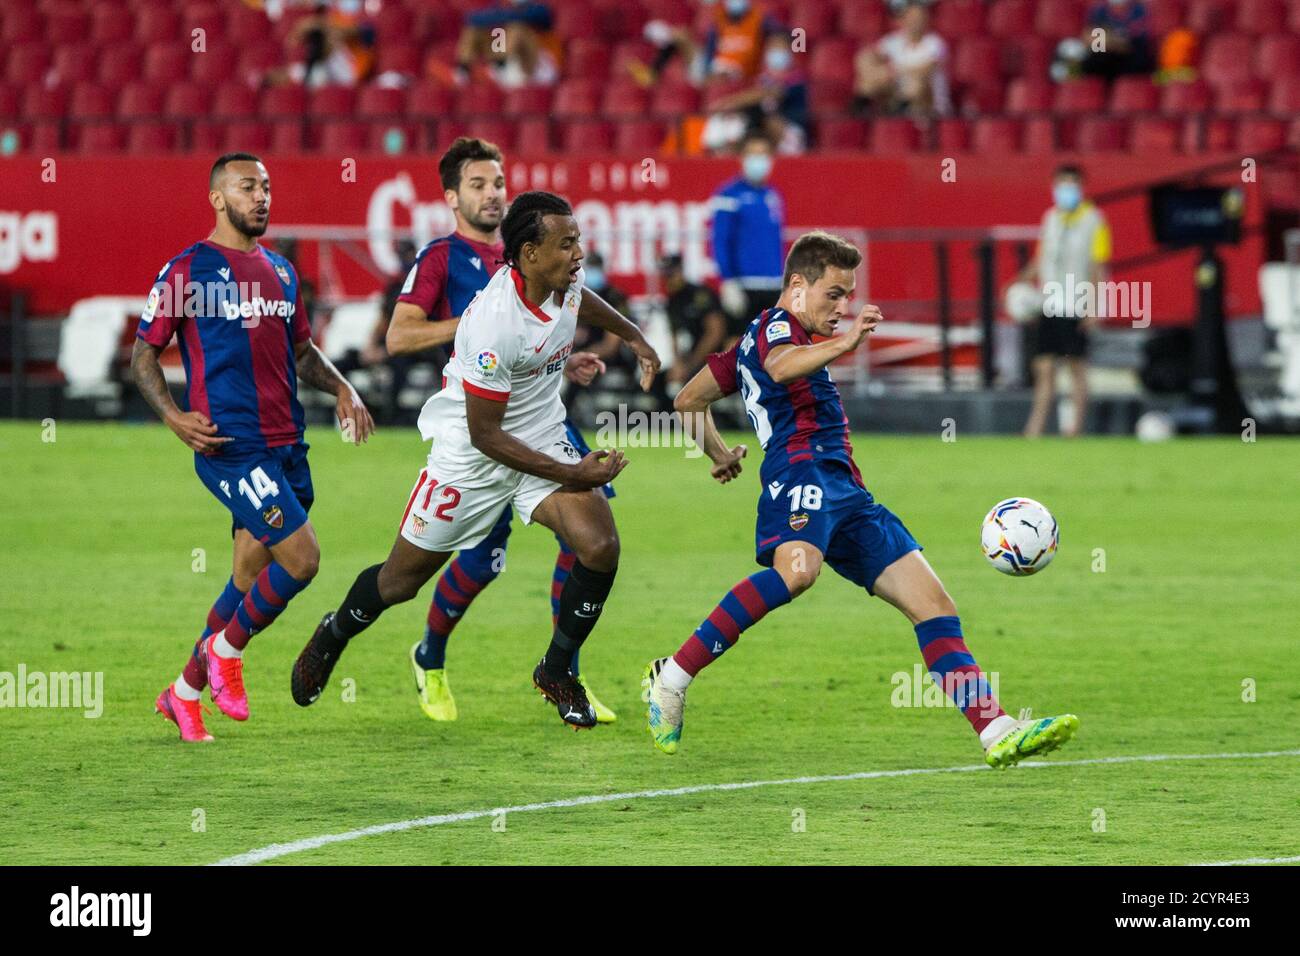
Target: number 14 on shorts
[{"x": 262, "y": 486}]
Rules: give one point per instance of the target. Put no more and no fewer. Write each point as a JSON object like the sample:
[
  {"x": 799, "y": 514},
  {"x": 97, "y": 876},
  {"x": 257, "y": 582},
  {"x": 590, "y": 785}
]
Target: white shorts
[{"x": 458, "y": 499}]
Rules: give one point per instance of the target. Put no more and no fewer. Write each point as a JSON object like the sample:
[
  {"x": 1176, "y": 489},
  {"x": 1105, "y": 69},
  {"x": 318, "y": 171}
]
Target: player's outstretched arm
[
  {"x": 593, "y": 310},
  {"x": 484, "y": 417},
  {"x": 316, "y": 370},
  {"x": 194, "y": 428},
  {"x": 785, "y": 363},
  {"x": 411, "y": 331},
  {"x": 692, "y": 404}
]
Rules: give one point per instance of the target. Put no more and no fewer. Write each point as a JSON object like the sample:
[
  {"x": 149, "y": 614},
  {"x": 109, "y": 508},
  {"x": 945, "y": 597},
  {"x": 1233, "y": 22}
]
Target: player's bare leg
[
  {"x": 1079, "y": 395},
  {"x": 586, "y": 524},
  {"x": 1044, "y": 369},
  {"x": 795, "y": 567},
  {"x": 406, "y": 570},
  {"x": 911, "y": 585}
]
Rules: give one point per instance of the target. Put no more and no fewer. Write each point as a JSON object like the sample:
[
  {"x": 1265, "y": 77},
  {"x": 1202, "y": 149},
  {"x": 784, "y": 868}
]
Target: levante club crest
[{"x": 273, "y": 516}]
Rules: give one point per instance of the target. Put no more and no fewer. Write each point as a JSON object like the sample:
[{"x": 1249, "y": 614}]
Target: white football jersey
[{"x": 509, "y": 350}]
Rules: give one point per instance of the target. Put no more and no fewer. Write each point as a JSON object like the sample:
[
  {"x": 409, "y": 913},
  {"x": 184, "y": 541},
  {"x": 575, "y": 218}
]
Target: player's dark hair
[
  {"x": 220, "y": 165},
  {"x": 1068, "y": 169},
  {"x": 523, "y": 223},
  {"x": 814, "y": 252},
  {"x": 464, "y": 150}
]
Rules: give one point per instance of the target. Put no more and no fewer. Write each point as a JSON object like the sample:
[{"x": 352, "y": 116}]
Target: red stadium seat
[
  {"x": 1040, "y": 135},
  {"x": 1284, "y": 98},
  {"x": 866, "y": 21},
  {"x": 331, "y": 101},
  {"x": 101, "y": 138},
  {"x": 677, "y": 12},
  {"x": 1098, "y": 134},
  {"x": 26, "y": 64},
  {"x": 1152, "y": 134},
  {"x": 390, "y": 138},
  {"x": 8, "y": 103},
  {"x": 282, "y": 102},
  {"x": 110, "y": 24},
  {"x": 1245, "y": 96},
  {"x": 157, "y": 23},
  {"x": 478, "y": 99},
  {"x": 246, "y": 25},
  {"x": 534, "y": 136},
  {"x": 152, "y": 138},
  {"x": 119, "y": 64},
  {"x": 1203, "y": 134},
  {"x": 255, "y": 60},
  {"x": 1261, "y": 17},
  {"x": 63, "y": 21},
  {"x": 576, "y": 20},
  {"x": 396, "y": 57},
  {"x": 1259, "y": 134},
  {"x": 993, "y": 136},
  {"x": 638, "y": 137},
  {"x": 625, "y": 53},
  {"x": 1182, "y": 98},
  {"x": 1278, "y": 56},
  {"x": 674, "y": 99},
  {"x": 957, "y": 18},
  {"x": 1293, "y": 22},
  {"x": 586, "y": 136},
  {"x": 830, "y": 97},
  {"x": 46, "y": 137},
  {"x": 186, "y": 100},
  {"x": 494, "y": 130},
  {"x": 339, "y": 137},
  {"x": 209, "y": 17},
  {"x": 233, "y": 102},
  {"x": 1081, "y": 96},
  {"x": 618, "y": 21},
  {"x": 624, "y": 100},
  {"x": 287, "y": 136},
  {"x": 167, "y": 62},
  {"x": 213, "y": 137},
  {"x": 977, "y": 61},
  {"x": 952, "y": 136},
  {"x": 43, "y": 102},
  {"x": 1058, "y": 19},
  {"x": 73, "y": 63},
  {"x": 831, "y": 59},
  {"x": 1134, "y": 94},
  {"x": 841, "y": 134},
  {"x": 894, "y": 135},
  {"x": 393, "y": 24},
  {"x": 575, "y": 98},
  {"x": 1028, "y": 57},
  {"x": 379, "y": 101},
  {"x": 90, "y": 101},
  {"x": 528, "y": 101},
  {"x": 815, "y": 17},
  {"x": 1206, "y": 17},
  {"x": 21, "y": 26},
  {"x": 140, "y": 101},
  {"x": 1293, "y": 134},
  {"x": 215, "y": 65},
  {"x": 428, "y": 99},
  {"x": 1228, "y": 59},
  {"x": 586, "y": 57},
  {"x": 1167, "y": 16},
  {"x": 1029, "y": 96},
  {"x": 1011, "y": 18}
]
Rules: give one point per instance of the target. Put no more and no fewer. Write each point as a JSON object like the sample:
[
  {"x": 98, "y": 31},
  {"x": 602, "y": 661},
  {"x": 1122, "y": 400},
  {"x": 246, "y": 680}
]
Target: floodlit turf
[{"x": 1200, "y": 543}]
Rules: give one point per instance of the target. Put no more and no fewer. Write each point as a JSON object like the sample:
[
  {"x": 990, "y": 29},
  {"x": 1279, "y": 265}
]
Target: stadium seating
[{"x": 123, "y": 75}]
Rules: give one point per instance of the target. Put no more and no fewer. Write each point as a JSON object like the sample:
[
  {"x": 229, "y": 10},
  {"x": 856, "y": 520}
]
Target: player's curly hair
[
  {"x": 464, "y": 150},
  {"x": 523, "y": 223}
]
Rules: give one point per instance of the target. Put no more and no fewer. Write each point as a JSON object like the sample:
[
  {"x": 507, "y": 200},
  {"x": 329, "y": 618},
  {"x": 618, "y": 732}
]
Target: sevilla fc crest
[
  {"x": 283, "y": 273},
  {"x": 797, "y": 522},
  {"x": 274, "y": 517},
  {"x": 418, "y": 524}
]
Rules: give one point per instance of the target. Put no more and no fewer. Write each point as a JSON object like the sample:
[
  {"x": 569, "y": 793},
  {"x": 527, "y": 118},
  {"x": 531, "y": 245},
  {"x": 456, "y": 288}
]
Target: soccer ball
[{"x": 1019, "y": 536}]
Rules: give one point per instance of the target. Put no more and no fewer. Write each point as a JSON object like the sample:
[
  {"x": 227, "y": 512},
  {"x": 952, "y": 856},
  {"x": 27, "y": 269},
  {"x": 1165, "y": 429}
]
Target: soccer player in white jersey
[{"x": 499, "y": 438}]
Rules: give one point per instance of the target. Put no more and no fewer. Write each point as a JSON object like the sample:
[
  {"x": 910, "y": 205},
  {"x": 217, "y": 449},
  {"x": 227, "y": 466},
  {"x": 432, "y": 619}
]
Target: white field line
[
  {"x": 276, "y": 850},
  {"x": 1253, "y": 861}
]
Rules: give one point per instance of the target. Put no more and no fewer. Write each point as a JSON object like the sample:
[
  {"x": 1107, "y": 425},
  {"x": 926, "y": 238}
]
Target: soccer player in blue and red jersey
[
  {"x": 245, "y": 341},
  {"x": 446, "y": 276},
  {"x": 814, "y": 508}
]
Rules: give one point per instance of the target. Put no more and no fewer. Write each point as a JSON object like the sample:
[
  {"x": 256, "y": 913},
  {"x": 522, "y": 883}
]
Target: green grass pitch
[{"x": 1196, "y": 606}]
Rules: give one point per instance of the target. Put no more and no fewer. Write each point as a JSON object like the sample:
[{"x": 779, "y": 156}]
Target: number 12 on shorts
[
  {"x": 262, "y": 487},
  {"x": 450, "y": 496}
]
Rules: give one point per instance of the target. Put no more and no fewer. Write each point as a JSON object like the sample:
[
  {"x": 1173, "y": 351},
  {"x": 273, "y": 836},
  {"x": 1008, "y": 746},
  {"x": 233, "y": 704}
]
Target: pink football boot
[{"x": 185, "y": 714}]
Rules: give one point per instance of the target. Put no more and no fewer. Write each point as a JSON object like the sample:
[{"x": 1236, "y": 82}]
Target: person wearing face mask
[
  {"x": 1074, "y": 248},
  {"x": 735, "y": 43},
  {"x": 748, "y": 217},
  {"x": 1128, "y": 48},
  {"x": 778, "y": 101},
  {"x": 904, "y": 72}
]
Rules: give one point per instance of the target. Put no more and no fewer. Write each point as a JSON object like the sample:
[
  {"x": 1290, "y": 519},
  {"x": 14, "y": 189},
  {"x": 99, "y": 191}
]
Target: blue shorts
[
  {"x": 487, "y": 550},
  {"x": 820, "y": 503},
  {"x": 267, "y": 490}
]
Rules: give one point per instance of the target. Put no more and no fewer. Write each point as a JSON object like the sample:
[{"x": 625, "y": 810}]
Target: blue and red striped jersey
[
  {"x": 448, "y": 273},
  {"x": 238, "y": 316},
  {"x": 798, "y": 421}
]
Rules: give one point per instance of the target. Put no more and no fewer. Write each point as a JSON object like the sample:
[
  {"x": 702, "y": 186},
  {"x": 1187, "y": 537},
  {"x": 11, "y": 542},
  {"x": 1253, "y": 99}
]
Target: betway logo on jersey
[
  {"x": 257, "y": 308},
  {"x": 29, "y": 237}
]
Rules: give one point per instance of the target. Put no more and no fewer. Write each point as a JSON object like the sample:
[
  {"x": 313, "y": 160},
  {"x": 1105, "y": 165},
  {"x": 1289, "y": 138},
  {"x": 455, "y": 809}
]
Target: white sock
[
  {"x": 674, "y": 677},
  {"x": 184, "y": 691},
  {"x": 995, "y": 729},
  {"x": 223, "y": 647}
]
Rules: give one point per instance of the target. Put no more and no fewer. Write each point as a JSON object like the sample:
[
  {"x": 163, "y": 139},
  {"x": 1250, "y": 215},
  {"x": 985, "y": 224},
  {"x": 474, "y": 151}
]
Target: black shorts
[{"x": 1061, "y": 336}]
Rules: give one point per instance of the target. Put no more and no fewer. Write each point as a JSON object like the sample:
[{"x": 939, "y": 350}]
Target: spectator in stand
[
  {"x": 905, "y": 72},
  {"x": 510, "y": 42},
  {"x": 778, "y": 101},
  {"x": 1127, "y": 33},
  {"x": 1074, "y": 250},
  {"x": 1179, "y": 54},
  {"x": 748, "y": 217},
  {"x": 337, "y": 46},
  {"x": 694, "y": 315},
  {"x": 734, "y": 47}
]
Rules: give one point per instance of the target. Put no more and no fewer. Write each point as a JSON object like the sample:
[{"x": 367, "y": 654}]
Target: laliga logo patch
[
  {"x": 778, "y": 330},
  {"x": 274, "y": 517},
  {"x": 797, "y": 522},
  {"x": 487, "y": 361},
  {"x": 155, "y": 296}
]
